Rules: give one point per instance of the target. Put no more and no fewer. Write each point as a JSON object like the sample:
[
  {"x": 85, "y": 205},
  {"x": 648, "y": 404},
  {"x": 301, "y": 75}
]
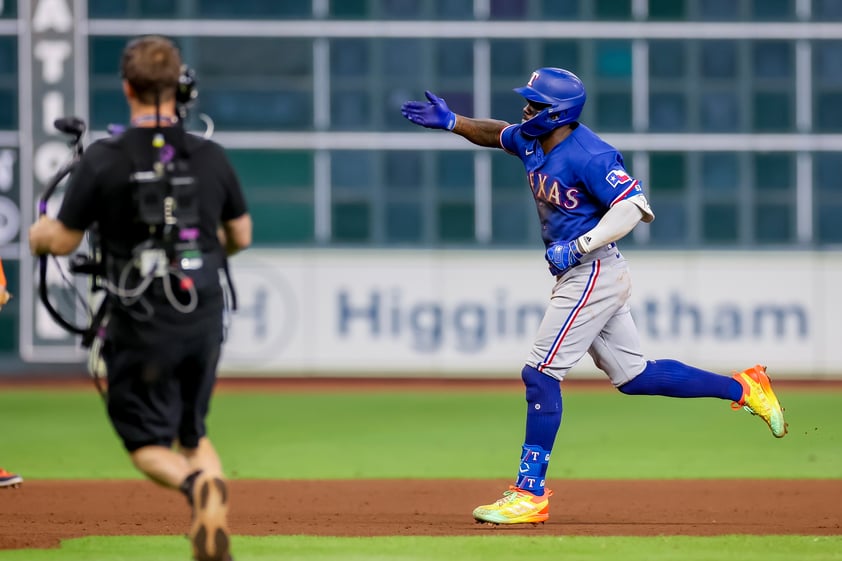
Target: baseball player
[{"x": 586, "y": 201}]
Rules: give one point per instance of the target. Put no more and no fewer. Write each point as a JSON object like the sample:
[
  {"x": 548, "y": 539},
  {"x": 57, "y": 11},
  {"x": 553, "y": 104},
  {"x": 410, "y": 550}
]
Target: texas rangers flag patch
[{"x": 617, "y": 177}]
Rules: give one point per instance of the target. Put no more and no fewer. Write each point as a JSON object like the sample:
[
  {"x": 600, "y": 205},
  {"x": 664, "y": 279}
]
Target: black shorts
[{"x": 159, "y": 394}]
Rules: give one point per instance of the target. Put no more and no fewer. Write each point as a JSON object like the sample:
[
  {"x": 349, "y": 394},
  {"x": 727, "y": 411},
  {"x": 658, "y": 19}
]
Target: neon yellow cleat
[
  {"x": 516, "y": 507},
  {"x": 759, "y": 399}
]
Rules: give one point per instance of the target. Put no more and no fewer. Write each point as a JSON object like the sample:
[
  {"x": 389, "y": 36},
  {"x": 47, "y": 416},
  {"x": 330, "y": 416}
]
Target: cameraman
[{"x": 161, "y": 360}]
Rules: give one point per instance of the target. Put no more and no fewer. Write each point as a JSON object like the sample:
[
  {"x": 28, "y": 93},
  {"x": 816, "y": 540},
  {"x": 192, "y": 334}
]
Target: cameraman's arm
[
  {"x": 235, "y": 234},
  {"x": 48, "y": 235}
]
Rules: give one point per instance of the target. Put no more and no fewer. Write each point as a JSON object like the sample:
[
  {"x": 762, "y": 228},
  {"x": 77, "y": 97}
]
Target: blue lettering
[
  {"x": 370, "y": 314},
  {"x": 675, "y": 317}
]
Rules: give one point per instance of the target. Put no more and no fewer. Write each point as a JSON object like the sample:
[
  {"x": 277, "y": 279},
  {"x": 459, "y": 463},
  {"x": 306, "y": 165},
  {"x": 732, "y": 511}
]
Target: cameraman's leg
[
  {"x": 197, "y": 377},
  {"x": 143, "y": 409}
]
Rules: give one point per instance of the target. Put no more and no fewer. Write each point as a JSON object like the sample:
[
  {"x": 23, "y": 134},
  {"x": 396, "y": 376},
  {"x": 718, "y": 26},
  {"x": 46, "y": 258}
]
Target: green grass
[
  {"x": 435, "y": 435},
  {"x": 489, "y": 548},
  {"x": 59, "y": 435}
]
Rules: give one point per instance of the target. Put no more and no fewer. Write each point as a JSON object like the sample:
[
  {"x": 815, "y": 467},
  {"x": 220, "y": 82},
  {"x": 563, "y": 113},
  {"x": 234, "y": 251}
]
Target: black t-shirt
[{"x": 101, "y": 193}]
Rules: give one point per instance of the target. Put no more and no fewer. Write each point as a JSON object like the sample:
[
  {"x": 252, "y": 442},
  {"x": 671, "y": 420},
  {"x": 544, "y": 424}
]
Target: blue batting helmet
[{"x": 561, "y": 90}]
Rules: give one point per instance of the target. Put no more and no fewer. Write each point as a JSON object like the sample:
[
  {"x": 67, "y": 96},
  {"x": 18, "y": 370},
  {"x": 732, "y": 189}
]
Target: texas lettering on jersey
[{"x": 545, "y": 188}]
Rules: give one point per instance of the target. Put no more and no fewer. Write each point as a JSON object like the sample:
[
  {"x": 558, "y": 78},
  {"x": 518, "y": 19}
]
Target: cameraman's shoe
[{"x": 209, "y": 530}]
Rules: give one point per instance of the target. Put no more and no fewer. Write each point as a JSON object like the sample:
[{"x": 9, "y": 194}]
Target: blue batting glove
[
  {"x": 563, "y": 255},
  {"x": 434, "y": 114}
]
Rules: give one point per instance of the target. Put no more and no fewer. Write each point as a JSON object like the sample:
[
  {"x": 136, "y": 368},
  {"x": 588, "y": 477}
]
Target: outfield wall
[{"x": 474, "y": 313}]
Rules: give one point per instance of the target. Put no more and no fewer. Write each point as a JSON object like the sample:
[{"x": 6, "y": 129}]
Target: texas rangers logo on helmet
[
  {"x": 532, "y": 79},
  {"x": 617, "y": 177}
]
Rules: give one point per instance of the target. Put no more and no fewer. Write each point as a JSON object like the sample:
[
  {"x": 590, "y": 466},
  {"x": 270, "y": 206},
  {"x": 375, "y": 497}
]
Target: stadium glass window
[
  {"x": 350, "y": 58},
  {"x": 278, "y": 187},
  {"x": 562, "y": 54},
  {"x": 827, "y": 180},
  {"x": 508, "y": 9},
  {"x": 667, "y": 59},
  {"x": 560, "y": 9},
  {"x": 8, "y": 83},
  {"x": 8, "y": 109},
  {"x": 351, "y": 222},
  {"x": 107, "y": 107},
  {"x": 454, "y": 58},
  {"x": 613, "y": 111},
  {"x": 276, "y": 221},
  {"x": 827, "y": 88},
  {"x": 667, "y": 112},
  {"x": 828, "y": 112},
  {"x": 402, "y": 57},
  {"x": 667, "y": 172},
  {"x": 773, "y": 60},
  {"x": 671, "y": 226},
  {"x": 136, "y": 9},
  {"x": 773, "y": 223},
  {"x": 829, "y": 227},
  {"x": 613, "y": 10},
  {"x": 773, "y": 172},
  {"x": 827, "y": 197},
  {"x": 455, "y": 222},
  {"x": 400, "y": 9},
  {"x": 720, "y": 223},
  {"x": 613, "y": 59},
  {"x": 349, "y": 9},
  {"x": 404, "y": 223},
  {"x": 403, "y": 171},
  {"x": 827, "y": 10},
  {"x": 513, "y": 220},
  {"x": 454, "y": 173},
  {"x": 667, "y": 10},
  {"x": 773, "y": 112},
  {"x": 454, "y": 9},
  {"x": 507, "y": 174},
  {"x": 246, "y": 110},
  {"x": 719, "y": 111},
  {"x": 827, "y": 56},
  {"x": 508, "y": 58},
  {"x": 9, "y": 9},
  {"x": 719, "y": 10},
  {"x": 718, "y": 59},
  {"x": 772, "y": 10},
  {"x": 720, "y": 172},
  {"x": 350, "y": 109},
  {"x": 352, "y": 171},
  {"x": 257, "y": 9}
]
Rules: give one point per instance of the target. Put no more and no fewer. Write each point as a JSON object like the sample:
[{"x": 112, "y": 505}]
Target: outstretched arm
[{"x": 435, "y": 114}]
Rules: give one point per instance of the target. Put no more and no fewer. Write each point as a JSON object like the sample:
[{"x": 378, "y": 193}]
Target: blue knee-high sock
[
  {"x": 675, "y": 379},
  {"x": 543, "y": 418}
]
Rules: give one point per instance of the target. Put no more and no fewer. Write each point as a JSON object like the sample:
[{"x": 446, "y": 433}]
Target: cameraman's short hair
[{"x": 151, "y": 64}]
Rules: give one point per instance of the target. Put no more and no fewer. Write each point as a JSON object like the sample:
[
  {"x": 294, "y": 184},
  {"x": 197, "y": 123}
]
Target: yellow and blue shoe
[
  {"x": 759, "y": 399},
  {"x": 516, "y": 507}
]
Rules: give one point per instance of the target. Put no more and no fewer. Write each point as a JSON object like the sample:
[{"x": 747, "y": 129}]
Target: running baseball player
[{"x": 586, "y": 201}]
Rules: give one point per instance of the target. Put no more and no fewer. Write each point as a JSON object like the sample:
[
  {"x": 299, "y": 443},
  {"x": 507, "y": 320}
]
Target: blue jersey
[{"x": 575, "y": 184}]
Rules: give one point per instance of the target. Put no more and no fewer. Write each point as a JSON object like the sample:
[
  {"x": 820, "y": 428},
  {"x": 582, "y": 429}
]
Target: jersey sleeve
[
  {"x": 608, "y": 181},
  {"x": 235, "y": 202},
  {"x": 80, "y": 204},
  {"x": 508, "y": 139}
]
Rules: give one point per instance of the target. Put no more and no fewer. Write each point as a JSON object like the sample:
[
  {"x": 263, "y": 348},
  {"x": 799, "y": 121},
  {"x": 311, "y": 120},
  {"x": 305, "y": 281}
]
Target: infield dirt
[{"x": 41, "y": 513}]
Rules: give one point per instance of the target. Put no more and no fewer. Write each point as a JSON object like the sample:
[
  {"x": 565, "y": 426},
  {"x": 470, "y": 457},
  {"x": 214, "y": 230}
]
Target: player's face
[{"x": 531, "y": 109}]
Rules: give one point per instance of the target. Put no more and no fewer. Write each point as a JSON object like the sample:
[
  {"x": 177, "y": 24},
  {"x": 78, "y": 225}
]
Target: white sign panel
[{"x": 455, "y": 313}]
